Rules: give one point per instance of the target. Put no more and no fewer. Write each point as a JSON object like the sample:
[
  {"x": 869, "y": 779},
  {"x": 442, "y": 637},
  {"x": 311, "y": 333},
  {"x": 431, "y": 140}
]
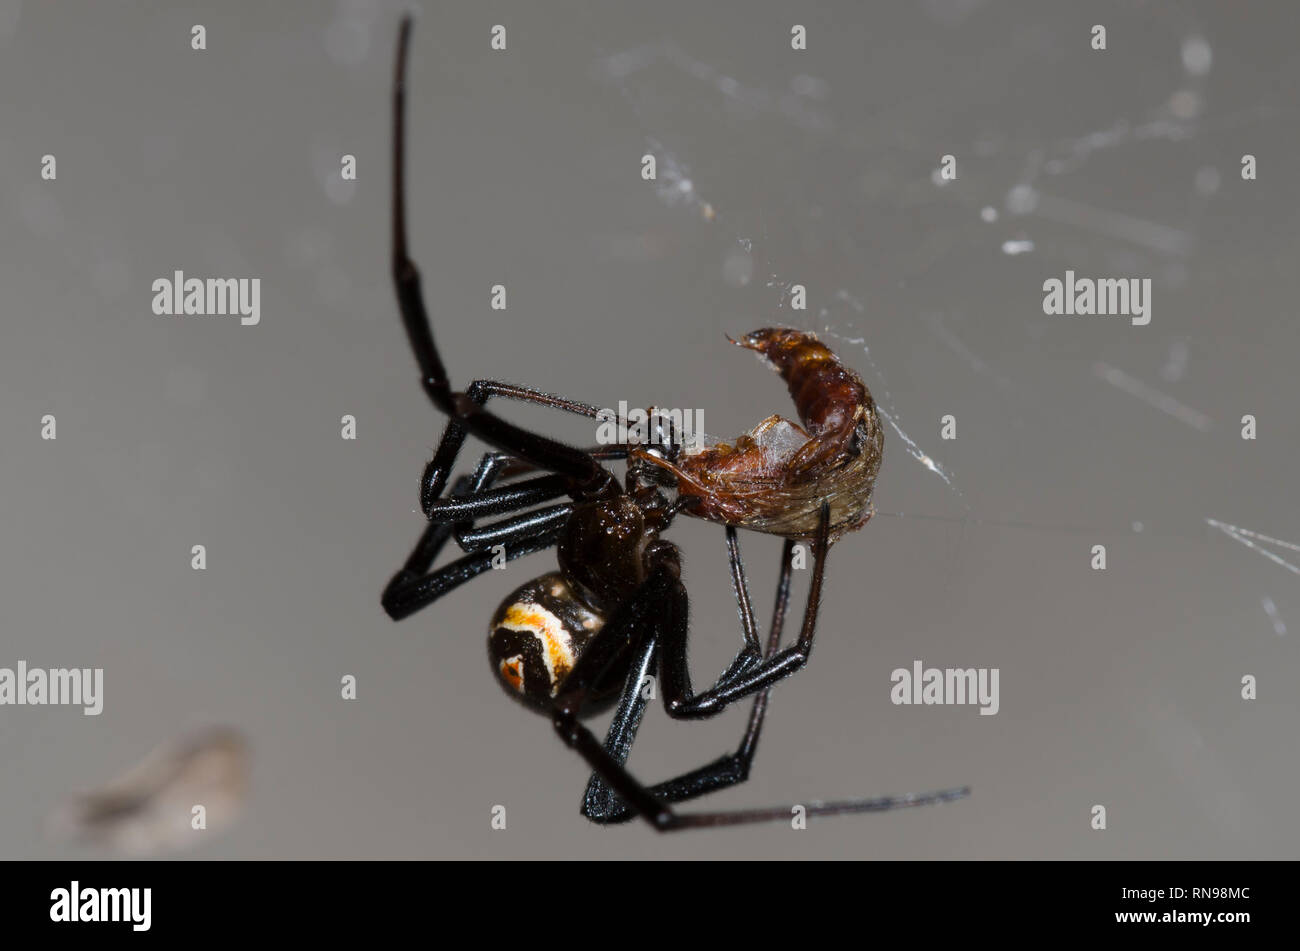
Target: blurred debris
[{"x": 155, "y": 805}]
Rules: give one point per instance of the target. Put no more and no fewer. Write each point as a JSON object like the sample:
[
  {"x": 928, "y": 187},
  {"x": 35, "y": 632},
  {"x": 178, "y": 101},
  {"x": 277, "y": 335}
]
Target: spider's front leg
[
  {"x": 439, "y": 468},
  {"x": 465, "y": 409}
]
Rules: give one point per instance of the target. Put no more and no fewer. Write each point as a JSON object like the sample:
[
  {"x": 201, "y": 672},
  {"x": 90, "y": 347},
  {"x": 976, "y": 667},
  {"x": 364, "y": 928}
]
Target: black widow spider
[{"x": 617, "y": 610}]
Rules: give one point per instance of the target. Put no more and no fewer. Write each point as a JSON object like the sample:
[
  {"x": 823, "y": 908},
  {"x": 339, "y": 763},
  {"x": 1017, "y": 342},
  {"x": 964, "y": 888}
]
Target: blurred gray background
[{"x": 1119, "y": 687}]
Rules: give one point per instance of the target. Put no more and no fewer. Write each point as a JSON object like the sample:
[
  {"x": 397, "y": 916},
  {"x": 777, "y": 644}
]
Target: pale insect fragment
[{"x": 151, "y": 807}]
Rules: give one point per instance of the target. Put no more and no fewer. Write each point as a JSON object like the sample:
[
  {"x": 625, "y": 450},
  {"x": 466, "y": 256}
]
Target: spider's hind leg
[
  {"x": 657, "y": 613},
  {"x": 749, "y": 672},
  {"x": 601, "y": 804}
]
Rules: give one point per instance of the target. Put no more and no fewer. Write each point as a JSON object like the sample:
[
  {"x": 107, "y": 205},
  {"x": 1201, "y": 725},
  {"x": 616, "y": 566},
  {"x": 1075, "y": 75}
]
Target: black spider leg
[
  {"x": 510, "y": 530},
  {"x": 460, "y": 509},
  {"x": 467, "y": 414},
  {"x": 750, "y": 671},
  {"x": 439, "y": 468},
  {"x": 463, "y": 508},
  {"x": 415, "y": 586},
  {"x": 658, "y": 610},
  {"x": 600, "y": 803},
  {"x": 495, "y": 465}
]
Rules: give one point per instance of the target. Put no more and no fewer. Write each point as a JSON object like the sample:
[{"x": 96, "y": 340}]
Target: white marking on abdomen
[{"x": 554, "y": 639}]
